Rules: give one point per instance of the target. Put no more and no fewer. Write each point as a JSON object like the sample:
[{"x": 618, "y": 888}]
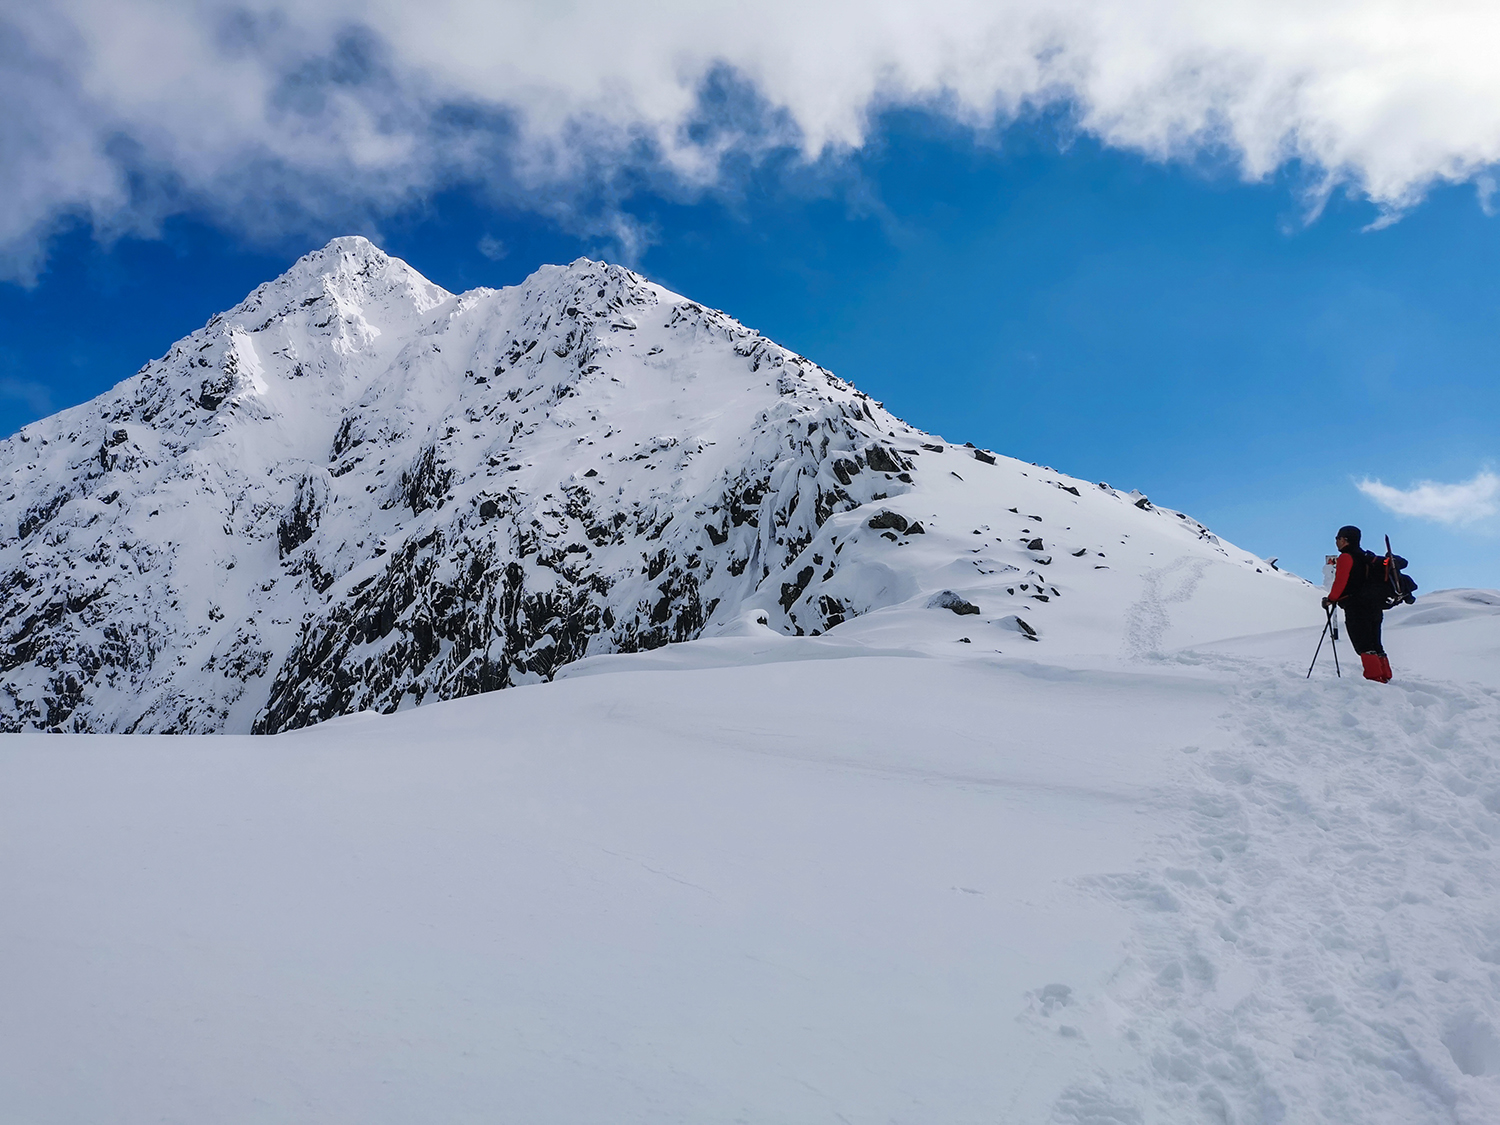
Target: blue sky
[{"x": 1239, "y": 336}]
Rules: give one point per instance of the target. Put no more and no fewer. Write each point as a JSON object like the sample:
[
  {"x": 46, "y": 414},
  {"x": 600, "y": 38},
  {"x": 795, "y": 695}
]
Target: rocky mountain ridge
[{"x": 357, "y": 491}]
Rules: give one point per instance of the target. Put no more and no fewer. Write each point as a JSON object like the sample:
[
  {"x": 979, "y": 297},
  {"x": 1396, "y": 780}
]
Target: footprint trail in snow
[{"x": 1330, "y": 885}]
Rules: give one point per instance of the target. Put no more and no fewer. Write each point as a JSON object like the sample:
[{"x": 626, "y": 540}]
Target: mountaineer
[{"x": 1359, "y": 588}]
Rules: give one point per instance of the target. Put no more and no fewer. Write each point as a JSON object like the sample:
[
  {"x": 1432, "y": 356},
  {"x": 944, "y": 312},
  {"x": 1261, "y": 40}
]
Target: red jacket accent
[{"x": 1341, "y": 576}]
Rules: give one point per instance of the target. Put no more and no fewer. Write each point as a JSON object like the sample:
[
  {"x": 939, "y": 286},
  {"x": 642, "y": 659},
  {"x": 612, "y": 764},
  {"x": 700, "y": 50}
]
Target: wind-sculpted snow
[{"x": 356, "y": 491}]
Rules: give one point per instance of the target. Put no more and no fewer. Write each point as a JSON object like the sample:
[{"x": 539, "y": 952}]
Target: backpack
[{"x": 1397, "y": 587}]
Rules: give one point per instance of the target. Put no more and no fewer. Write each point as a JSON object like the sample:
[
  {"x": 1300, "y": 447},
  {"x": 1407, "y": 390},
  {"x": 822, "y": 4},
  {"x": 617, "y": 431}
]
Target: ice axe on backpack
[
  {"x": 1401, "y": 588},
  {"x": 1329, "y": 627}
]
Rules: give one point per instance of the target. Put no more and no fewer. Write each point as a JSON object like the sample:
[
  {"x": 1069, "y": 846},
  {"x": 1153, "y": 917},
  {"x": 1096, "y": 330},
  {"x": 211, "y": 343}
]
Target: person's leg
[
  {"x": 1357, "y": 628},
  {"x": 1363, "y": 627},
  {"x": 1385, "y": 662}
]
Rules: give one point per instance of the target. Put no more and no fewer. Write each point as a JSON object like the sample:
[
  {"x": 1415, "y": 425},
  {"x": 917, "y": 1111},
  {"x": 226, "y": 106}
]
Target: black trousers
[{"x": 1362, "y": 623}]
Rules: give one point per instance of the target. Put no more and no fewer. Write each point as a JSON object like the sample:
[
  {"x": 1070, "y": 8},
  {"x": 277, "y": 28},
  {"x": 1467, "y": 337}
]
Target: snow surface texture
[
  {"x": 763, "y": 878},
  {"x": 356, "y": 491}
]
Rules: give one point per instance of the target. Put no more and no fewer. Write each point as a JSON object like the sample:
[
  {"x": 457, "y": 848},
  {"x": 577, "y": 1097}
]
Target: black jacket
[{"x": 1359, "y": 582}]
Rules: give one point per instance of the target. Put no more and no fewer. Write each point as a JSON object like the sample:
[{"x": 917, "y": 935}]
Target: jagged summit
[
  {"x": 356, "y": 490},
  {"x": 352, "y": 267}
]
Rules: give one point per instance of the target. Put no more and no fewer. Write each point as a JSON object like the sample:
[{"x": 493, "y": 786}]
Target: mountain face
[{"x": 358, "y": 491}]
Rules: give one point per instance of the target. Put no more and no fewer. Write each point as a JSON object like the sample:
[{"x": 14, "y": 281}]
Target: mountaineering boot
[
  {"x": 1385, "y": 668},
  {"x": 1374, "y": 670}
]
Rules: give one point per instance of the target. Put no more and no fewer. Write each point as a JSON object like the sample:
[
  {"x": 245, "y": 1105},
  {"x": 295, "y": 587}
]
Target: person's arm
[{"x": 1340, "y": 578}]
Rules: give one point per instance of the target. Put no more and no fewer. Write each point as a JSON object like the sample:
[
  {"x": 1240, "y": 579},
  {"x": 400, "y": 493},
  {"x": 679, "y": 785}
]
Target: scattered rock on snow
[
  {"x": 887, "y": 518},
  {"x": 947, "y": 599},
  {"x": 1018, "y": 625}
]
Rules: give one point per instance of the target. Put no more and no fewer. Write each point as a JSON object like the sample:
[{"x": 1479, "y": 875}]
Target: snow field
[
  {"x": 763, "y": 878},
  {"x": 1317, "y": 934}
]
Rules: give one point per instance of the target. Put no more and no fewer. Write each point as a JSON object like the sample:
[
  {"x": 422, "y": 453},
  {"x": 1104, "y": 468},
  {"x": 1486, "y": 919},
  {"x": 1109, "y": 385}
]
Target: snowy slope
[
  {"x": 356, "y": 491},
  {"x": 770, "y": 878}
]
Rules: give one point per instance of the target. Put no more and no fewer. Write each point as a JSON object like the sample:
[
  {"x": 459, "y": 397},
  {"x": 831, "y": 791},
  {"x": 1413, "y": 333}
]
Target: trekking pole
[
  {"x": 1330, "y": 628},
  {"x": 1326, "y": 625}
]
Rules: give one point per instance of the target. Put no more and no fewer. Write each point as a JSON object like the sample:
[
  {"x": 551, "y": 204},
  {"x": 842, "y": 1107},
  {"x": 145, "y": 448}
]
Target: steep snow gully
[
  {"x": 356, "y": 491},
  {"x": 974, "y": 793}
]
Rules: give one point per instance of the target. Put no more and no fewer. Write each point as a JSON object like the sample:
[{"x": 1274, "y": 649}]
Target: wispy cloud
[
  {"x": 1466, "y": 502},
  {"x": 267, "y": 113}
]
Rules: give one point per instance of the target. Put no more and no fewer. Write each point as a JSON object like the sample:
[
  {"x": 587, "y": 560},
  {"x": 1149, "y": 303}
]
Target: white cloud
[
  {"x": 271, "y": 113},
  {"x": 1467, "y": 502}
]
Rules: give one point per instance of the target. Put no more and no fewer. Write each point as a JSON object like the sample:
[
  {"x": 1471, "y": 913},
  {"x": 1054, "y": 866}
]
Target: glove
[{"x": 1326, "y": 603}]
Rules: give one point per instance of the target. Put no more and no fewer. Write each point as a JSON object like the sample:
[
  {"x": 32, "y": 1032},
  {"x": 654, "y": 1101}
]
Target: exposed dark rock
[
  {"x": 832, "y": 610},
  {"x": 887, "y": 518},
  {"x": 300, "y": 520},
  {"x": 845, "y": 470},
  {"x": 791, "y": 591},
  {"x": 981, "y": 455},
  {"x": 947, "y": 599},
  {"x": 425, "y": 483},
  {"x": 883, "y": 460},
  {"x": 214, "y": 390},
  {"x": 39, "y": 515},
  {"x": 1033, "y": 544}
]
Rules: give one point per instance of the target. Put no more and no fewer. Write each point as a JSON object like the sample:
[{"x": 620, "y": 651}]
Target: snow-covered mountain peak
[
  {"x": 350, "y": 270},
  {"x": 355, "y": 490}
]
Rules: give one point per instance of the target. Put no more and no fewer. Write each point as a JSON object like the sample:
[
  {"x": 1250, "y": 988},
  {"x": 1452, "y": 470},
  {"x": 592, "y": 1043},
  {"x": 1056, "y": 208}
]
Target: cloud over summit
[{"x": 268, "y": 115}]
